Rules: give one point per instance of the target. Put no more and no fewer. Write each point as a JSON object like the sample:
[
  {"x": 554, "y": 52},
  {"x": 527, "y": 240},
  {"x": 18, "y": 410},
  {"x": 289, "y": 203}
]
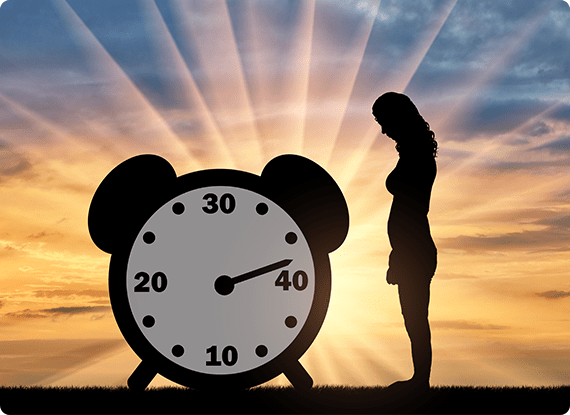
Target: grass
[{"x": 284, "y": 400}]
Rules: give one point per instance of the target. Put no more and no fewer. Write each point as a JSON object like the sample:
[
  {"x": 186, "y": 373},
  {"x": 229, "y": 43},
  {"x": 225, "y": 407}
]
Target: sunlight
[
  {"x": 208, "y": 27},
  {"x": 156, "y": 135},
  {"x": 318, "y": 363},
  {"x": 280, "y": 101},
  {"x": 414, "y": 60},
  {"x": 410, "y": 65},
  {"x": 493, "y": 147},
  {"x": 333, "y": 73},
  {"x": 169, "y": 57},
  {"x": 57, "y": 135},
  {"x": 232, "y": 84},
  {"x": 379, "y": 357},
  {"x": 377, "y": 185}
]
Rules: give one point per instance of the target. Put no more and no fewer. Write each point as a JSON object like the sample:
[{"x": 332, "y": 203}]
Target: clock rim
[{"x": 199, "y": 380}]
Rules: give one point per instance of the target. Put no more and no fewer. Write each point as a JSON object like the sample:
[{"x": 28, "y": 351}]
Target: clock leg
[
  {"x": 142, "y": 376},
  {"x": 298, "y": 376}
]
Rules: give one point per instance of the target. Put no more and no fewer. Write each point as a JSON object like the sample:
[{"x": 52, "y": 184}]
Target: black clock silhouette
[{"x": 219, "y": 278}]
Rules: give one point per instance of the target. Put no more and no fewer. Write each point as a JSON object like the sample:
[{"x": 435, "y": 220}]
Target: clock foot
[
  {"x": 141, "y": 377},
  {"x": 298, "y": 376}
]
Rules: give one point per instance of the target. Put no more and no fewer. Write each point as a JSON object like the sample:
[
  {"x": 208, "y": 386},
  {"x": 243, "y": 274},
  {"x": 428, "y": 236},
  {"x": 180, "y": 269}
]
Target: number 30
[{"x": 227, "y": 203}]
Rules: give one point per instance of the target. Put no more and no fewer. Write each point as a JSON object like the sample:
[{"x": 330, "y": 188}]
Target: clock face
[{"x": 220, "y": 280}]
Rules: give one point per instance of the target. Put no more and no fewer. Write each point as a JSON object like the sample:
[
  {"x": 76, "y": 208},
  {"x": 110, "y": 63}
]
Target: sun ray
[
  {"x": 353, "y": 158},
  {"x": 378, "y": 214},
  {"x": 365, "y": 211},
  {"x": 322, "y": 371},
  {"x": 353, "y": 165},
  {"x": 60, "y": 139},
  {"x": 333, "y": 72},
  {"x": 208, "y": 26},
  {"x": 493, "y": 147},
  {"x": 415, "y": 59},
  {"x": 279, "y": 97},
  {"x": 38, "y": 121},
  {"x": 154, "y": 133},
  {"x": 500, "y": 63},
  {"x": 377, "y": 360},
  {"x": 169, "y": 57},
  {"x": 340, "y": 357}
]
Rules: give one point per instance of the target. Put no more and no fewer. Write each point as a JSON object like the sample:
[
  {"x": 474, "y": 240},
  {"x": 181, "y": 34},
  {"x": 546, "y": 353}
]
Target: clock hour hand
[{"x": 224, "y": 285}]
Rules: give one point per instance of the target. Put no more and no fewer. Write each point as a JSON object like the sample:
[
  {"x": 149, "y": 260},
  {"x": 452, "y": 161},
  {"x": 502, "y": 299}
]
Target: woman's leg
[{"x": 414, "y": 300}]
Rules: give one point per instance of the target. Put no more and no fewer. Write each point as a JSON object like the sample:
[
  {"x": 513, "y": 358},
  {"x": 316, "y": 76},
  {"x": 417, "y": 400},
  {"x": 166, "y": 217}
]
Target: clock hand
[
  {"x": 224, "y": 285},
  {"x": 261, "y": 271}
]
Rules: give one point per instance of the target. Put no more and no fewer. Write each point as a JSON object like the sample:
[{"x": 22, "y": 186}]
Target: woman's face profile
[
  {"x": 387, "y": 131},
  {"x": 391, "y": 128}
]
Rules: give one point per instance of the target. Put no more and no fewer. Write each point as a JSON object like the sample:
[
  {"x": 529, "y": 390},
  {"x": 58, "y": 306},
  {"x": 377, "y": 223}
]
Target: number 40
[{"x": 300, "y": 280}]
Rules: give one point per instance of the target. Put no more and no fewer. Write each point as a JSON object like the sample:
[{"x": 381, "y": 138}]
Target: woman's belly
[{"x": 410, "y": 233}]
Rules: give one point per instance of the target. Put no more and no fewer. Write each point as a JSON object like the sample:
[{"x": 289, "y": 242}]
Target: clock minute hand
[
  {"x": 224, "y": 285},
  {"x": 260, "y": 271}
]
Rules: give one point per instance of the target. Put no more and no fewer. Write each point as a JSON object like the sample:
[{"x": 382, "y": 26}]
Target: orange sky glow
[{"x": 226, "y": 85}]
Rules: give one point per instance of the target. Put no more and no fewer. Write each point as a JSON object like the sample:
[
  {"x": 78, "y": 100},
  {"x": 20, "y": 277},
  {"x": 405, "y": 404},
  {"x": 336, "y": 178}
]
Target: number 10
[{"x": 229, "y": 356}]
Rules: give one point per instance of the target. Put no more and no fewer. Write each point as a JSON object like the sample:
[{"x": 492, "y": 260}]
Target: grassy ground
[{"x": 285, "y": 400}]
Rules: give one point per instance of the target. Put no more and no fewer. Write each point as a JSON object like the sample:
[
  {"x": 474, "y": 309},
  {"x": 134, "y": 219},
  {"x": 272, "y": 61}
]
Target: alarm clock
[{"x": 219, "y": 278}]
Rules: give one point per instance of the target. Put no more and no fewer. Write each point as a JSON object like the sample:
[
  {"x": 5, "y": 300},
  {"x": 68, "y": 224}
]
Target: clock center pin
[{"x": 224, "y": 285}]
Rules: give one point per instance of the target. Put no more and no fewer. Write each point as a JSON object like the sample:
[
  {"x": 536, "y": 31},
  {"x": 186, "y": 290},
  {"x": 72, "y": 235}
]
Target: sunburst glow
[{"x": 232, "y": 84}]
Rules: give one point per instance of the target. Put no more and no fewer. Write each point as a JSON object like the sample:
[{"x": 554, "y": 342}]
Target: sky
[{"x": 232, "y": 84}]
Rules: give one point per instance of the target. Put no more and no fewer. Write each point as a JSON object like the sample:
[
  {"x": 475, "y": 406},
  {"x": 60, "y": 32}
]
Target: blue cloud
[{"x": 561, "y": 145}]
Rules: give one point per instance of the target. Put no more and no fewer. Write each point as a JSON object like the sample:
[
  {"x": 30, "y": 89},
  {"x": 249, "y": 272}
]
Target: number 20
[{"x": 158, "y": 282}]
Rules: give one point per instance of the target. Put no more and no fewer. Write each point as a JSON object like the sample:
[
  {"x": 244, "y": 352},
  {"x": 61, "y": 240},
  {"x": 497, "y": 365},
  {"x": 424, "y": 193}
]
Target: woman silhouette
[{"x": 413, "y": 259}]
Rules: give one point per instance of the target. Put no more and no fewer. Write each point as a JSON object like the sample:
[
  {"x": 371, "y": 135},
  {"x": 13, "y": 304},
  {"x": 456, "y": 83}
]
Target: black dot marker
[
  {"x": 178, "y": 208},
  {"x": 177, "y": 350},
  {"x": 290, "y": 322},
  {"x": 148, "y": 321},
  {"x": 291, "y": 238},
  {"x": 262, "y": 208},
  {"x": 149, "y": 237},
  {"x": 261, "y": 350}
]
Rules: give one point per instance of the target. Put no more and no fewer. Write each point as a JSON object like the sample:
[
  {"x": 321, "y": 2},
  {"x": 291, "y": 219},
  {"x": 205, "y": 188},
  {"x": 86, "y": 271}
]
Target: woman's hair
[{"x": 399, "y": 110}]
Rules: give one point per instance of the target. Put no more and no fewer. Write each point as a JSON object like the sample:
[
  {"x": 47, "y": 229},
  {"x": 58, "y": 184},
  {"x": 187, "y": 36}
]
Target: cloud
[
  {"x": 555, "y": 237},
  {"x": 12, "y": 163},
  {"x": 25, "y": 314},
  {"x": 42, "y": 234},
  {"x": 491, "y": 116},
  {"x": 71, "y": 293},
  {"x": 561, "y": 145},
  {"x": 562, "y": 112},
  {"x": 553, "y": 294},
  {"x": 538, "y": 129},
  {"x": 561, "y": 222},
  {"x": 76, "y": 310},
  {"x": 55, "y": 312},
  {"x": 534, "y": 241}
]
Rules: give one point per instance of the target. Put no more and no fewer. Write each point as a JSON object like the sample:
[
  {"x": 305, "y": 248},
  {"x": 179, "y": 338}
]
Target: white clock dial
[{"x": 220, "y": 280}]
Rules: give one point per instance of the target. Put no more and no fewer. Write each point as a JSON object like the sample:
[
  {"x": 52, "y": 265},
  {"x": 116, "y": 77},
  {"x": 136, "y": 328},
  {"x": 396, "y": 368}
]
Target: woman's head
[{"x": 401, "y": 121}]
